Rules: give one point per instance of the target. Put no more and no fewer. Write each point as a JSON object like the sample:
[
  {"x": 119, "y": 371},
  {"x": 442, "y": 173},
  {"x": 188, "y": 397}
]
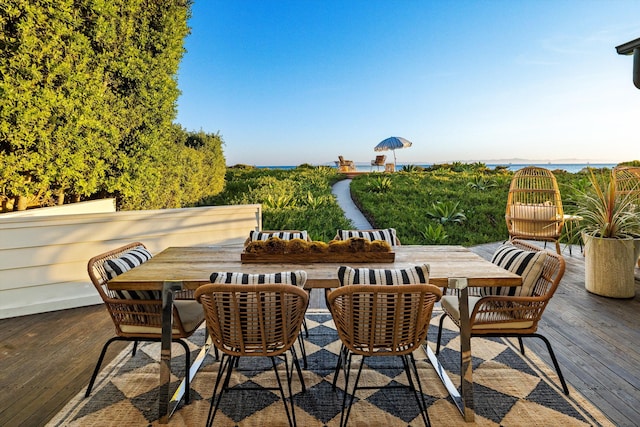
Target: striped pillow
[
  {"x": 297, "y": 278},
  {"x": 282, "y": 235},
  {"x": 372, "y": 276},
  {"x": 127, "y": 261},
  {"x": 387, "y": 235},
  {"x": 526, "y": 264}
]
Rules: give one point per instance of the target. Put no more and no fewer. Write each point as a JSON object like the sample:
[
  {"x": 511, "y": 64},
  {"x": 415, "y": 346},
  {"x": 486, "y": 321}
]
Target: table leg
[
  {"x": 463, "y": 399},
  {"x": 466, "y": 367},
  {"x": 177, "y": 396},
  {"x": 168, "y": 288}
]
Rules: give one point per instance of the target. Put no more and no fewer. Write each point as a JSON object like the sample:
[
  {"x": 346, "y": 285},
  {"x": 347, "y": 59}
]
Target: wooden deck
[{"x": 46, "y": 359}]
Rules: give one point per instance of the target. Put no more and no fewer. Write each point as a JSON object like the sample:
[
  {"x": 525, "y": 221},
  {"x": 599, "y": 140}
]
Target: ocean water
[{"x": 568, "y": 167}]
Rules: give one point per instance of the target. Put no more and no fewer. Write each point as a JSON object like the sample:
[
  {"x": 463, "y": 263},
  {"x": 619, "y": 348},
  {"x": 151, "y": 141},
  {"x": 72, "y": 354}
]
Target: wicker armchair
[
  {"x": 253, "y": 320},
  {"x": 382, "y": 320},
  {"x": 141, "y": 319},
  {"x": 534, "y": 207},
  {"x": 628, "y": 184},
  {"x": 511, "y": 316}
]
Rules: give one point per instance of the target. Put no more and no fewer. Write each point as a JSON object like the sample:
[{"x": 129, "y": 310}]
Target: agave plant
[
  {"x": 434, "y": 234},
  {"x": 380, "y": 184},
  {"x": 605, "y": 211},
  {"x": 446, "y": 212}
]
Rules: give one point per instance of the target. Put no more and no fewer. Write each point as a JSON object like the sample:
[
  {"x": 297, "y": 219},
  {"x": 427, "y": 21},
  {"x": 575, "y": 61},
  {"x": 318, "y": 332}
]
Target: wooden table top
[{"x": 194, "y": 265}]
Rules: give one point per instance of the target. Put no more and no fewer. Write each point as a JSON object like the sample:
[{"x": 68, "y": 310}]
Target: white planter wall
[{"x": 43, "y": 259}]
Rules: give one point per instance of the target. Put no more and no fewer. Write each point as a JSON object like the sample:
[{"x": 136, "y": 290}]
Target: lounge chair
[
  {"x": 378, "y": 161},
  {"x": 346, "y": 165}
]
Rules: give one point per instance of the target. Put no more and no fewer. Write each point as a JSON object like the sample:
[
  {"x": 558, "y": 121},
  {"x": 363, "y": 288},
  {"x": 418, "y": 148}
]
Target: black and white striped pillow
[
  {"x": 127, "y": 261},
  {"x": 388, "y": 235},
  {"x": 527, "y": 264},
  {"x": 296, "y": 278},
  {"x": 380, "y": 276},
  {"x": 282, "y": 235}
]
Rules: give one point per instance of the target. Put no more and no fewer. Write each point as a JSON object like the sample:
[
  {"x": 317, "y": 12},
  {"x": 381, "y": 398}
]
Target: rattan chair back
[
  {"x": 492, "y": 310},
  {"x": 628, "y": 181},
  {"x": 133, "y": 318},
  {"x": 383, "y": 320},
  {"x": 534, "y": 206},
  {"x": 253, "y": 320}
]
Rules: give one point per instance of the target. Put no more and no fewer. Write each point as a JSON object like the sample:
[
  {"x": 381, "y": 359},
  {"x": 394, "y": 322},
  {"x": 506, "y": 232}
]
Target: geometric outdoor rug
[{"x": 509, "y": 389}]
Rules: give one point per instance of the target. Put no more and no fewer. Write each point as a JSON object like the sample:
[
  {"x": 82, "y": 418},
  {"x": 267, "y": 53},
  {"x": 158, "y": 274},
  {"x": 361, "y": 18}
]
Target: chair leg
[
  {"x": 555, "y": 362},
  {"x": 291, "y": 417},
  {"x": 226, "y": 364},
  {"x": 353, "y": 395},
  {"x": 303, "y": 351},
  {"x": 521, "y": 345},
  {"x": 440, "y": 332},
  {"x": 297, "y": 366},
  {"x": 422, "y": 404},
  {"x": 336, "y": 372},
  {"x": 100, "y": 359}
]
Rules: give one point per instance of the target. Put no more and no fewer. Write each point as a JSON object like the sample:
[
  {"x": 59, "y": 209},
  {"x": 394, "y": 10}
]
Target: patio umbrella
[{"x": 392, "y": 143}]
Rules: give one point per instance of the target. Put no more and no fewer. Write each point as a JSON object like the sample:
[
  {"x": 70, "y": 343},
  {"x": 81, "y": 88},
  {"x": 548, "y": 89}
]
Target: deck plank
[{"x": 47, "y": 358}]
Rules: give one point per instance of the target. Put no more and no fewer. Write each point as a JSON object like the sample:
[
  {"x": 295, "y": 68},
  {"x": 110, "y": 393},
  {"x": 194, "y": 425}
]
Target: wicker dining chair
[
  {"x": 285, "y": 235},
  {"x": 137, "y": 316},
  {"x": 382, "y": 320},
  {"x": 378, "y": 161},
  {"x": 512, "y": 316},
  {"x": 261, "y": 320},
  {"x": 534, "y": 206}
]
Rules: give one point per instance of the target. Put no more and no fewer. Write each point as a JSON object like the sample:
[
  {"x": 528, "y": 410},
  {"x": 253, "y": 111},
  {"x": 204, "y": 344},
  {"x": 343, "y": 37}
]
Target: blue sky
[{"x": 291, "y": 82}]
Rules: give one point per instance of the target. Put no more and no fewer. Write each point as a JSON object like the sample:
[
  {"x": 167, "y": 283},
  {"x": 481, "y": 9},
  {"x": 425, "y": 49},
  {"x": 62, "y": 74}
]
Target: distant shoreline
[{"x": 568, "y": 167}]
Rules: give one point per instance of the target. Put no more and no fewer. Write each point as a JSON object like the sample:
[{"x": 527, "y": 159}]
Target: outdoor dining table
[{"x": 178, "y": 268}]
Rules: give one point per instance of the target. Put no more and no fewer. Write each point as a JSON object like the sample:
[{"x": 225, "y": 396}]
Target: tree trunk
[
  {"x": 60, "y": 198},
  {"x": 20, "y": 203}
]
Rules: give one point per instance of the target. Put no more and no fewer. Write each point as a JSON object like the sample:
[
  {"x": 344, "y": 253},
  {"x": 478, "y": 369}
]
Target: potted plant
[{"x": 610, "y": 228}]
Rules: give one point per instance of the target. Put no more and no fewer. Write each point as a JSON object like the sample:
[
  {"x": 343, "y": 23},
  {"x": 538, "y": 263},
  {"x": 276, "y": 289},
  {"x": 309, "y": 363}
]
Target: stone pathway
[{"x": 343, "y": 194}]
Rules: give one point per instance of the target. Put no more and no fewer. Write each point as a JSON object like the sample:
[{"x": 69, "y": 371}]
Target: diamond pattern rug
[{"x": 509, "y": 389}]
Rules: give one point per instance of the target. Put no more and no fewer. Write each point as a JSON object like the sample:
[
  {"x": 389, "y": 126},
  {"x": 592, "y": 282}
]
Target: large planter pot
[{"x": 609, "y": 266}]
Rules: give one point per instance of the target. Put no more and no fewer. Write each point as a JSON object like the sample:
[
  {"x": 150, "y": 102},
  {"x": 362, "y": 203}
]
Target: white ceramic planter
[{"x": 609, "y": 266}]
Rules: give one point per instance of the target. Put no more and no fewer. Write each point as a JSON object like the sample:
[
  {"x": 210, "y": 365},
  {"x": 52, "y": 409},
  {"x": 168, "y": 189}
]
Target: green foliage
[
  {"x": 411, "y": 168},
  {"x": 446, "y": 212},
  {"x": 605, "y": 211},
  {"x": 380, "y": 184},
  {"x": 434, "y": 234},
  {"x": 87, "y": 98},
  {"x": 404, "y": 206},
  {"x": 481, "y": 183},
  {"x": 298, "y": 199}
]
